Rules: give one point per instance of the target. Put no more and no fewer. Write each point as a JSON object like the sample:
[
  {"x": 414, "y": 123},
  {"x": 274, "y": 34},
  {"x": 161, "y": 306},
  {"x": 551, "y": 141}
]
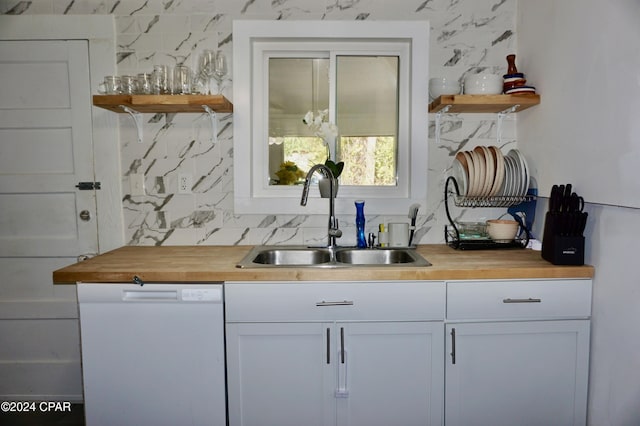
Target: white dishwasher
[{"x": 153, "y": 354}]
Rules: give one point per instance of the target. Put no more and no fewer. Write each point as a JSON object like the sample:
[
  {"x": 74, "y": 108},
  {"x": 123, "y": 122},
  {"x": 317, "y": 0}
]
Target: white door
[
  {"x": 280, "y": 374},
  {"x": 517, "y": 373},
  {"x": 45, "y": 151},
  {"x": 392, "y": 373}
]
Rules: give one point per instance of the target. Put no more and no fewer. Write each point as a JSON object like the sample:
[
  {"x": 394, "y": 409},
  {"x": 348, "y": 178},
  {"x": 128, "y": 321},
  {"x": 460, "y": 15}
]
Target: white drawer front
[
  {"x": 503, "y": 300},
  {"x": 334, "y": 301}
]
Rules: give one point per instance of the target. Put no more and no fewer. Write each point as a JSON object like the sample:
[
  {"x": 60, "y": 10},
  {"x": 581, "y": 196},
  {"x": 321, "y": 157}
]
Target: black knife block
[{"x": 561, "y": 249}]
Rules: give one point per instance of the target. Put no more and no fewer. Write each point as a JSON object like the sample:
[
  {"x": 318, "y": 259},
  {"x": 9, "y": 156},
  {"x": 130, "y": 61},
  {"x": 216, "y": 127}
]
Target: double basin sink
[{"x": 325, "y": 257}]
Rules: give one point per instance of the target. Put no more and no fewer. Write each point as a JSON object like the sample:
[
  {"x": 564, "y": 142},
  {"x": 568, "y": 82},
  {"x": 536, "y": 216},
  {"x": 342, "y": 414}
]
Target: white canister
[{"x": 398, "y": 234}]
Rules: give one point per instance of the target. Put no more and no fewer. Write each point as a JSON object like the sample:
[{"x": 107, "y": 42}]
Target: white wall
[{"x": 572, "y": 121}]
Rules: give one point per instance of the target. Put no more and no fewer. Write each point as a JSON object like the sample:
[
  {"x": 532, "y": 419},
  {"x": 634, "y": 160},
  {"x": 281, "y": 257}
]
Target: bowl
[
  {"x": 501, "y": 230},
  {"x": 483, "y": 84},
  {"x": 439, "y": 86}
]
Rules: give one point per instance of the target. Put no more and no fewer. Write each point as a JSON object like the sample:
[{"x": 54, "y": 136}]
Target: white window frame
[{"x": 254, "y": 41}]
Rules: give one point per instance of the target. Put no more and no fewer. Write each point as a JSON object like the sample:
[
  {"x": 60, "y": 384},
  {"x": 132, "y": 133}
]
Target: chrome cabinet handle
[
  {"x": 335, "y": 303},
  {"x": 529, "y": 300}
]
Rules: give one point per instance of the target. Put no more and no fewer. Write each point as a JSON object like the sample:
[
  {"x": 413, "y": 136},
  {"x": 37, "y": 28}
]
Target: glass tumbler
[
  {"x": 129, "y": 84},
  {"x": 182, "y": 80},
  {"x": 160, "y": 81},
  {"x": 144, "y": 83}
]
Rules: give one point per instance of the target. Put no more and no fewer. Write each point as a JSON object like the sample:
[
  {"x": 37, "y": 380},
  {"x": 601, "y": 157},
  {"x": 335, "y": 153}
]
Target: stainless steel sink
[
  {"x": 372, "y": 257},
  {"x": 323, "y": 257},
  {"x": 292, "y": 256}
]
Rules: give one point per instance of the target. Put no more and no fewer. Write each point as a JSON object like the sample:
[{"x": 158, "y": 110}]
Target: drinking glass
[
  {"x": 206, "y": 68},
  {"x": 220, "y": 69},
  {"x": 161, "y": 80},
  {"x": 182, "y": 80},
  {"x": 129, "y": 84},
  {"x": 144, "y": 83},
  {"x": 110, "y": 86}
]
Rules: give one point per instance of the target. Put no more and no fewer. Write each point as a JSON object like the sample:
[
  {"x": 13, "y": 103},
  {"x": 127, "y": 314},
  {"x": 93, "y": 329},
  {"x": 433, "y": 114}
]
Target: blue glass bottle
[{"x": 360, "y": 221}]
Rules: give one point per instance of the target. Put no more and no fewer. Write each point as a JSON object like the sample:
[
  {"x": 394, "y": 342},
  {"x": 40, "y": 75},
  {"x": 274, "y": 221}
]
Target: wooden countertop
[{"x": 218, "y": 263}]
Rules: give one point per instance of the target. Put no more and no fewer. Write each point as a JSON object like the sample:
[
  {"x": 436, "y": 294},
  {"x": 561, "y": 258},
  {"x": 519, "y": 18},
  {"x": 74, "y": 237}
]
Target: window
[{"x": 369, "y": 77}]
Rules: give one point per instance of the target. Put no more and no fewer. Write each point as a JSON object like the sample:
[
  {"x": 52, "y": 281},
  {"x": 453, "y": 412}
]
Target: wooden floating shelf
[
  {"x": 163, "y": 103},
  {"x": 484, "y": 103}
]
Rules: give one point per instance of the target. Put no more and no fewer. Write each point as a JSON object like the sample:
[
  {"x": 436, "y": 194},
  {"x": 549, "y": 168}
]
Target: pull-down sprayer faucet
[{"x": 333, "y": 231}]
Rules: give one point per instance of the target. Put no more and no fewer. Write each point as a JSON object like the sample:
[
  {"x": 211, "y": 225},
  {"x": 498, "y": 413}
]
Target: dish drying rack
[{"x": 452, "y": 233}]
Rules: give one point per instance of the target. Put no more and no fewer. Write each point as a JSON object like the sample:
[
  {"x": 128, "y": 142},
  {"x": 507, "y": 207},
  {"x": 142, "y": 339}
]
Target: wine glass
[
  {"x": 220, "y": 69},
  {"x": 206, "y": 68}
]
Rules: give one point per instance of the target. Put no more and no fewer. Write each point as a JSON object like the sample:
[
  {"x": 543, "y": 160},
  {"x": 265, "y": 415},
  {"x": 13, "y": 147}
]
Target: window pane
[
  {"x": 296, "y": 86},
  {"x": 368, "y": 160},
  {"x": 367, "y": 116},
  {"x": 287, "y": 152}
]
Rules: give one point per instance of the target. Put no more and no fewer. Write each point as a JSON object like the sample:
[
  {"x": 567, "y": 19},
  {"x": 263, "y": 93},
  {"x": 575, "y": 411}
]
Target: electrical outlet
[
  {"x": 185, "y": 182},
  {"x": 136, "y": 184}
]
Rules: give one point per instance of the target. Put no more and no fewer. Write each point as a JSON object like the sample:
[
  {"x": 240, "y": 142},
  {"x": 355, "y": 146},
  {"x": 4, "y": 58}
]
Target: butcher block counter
[{"x": 218, "y": 263}]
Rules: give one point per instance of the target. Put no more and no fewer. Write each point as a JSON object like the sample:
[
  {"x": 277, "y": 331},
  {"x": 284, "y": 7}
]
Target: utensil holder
[{"x": 561, "y": 249}]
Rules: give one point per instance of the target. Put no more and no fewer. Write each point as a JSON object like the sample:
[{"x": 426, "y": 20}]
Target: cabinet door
[
  {"x": 524, "y": 373},
  {"x": 280, "y": 374},
  {"x": 392, "y": 373}
]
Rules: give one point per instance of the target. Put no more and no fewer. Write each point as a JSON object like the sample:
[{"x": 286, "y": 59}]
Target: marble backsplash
[{"x": 466, "y": 35}]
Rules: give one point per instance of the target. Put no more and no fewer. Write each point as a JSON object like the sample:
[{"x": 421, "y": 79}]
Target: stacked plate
[
  {"x": 486, "y": 172},
  {"x": 514, "y": 84}
]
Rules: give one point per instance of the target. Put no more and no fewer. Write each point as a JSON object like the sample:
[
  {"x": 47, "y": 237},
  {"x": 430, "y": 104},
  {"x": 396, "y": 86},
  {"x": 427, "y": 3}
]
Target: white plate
[
  {"x": 508, "y": 177},
  {"x": 460, "y": 174},
  {"x": 515, "y": 175},
  {"x": 524, "y": 170}
]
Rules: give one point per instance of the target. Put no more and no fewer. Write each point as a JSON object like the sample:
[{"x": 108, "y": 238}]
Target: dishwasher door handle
[{"x": 149, "y": 295}]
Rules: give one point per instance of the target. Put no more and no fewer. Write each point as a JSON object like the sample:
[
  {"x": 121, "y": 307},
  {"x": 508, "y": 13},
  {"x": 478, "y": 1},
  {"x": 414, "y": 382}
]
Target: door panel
[
  {"x": 517, "y": 373},
  {"x": 45, "y": 150},
  {"x": 278, "y": 374},
  {"x": 393, "y": 373}
]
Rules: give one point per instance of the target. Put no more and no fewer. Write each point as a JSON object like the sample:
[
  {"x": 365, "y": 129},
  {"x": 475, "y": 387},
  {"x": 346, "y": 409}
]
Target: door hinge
[{"x": 88, "y": 186}]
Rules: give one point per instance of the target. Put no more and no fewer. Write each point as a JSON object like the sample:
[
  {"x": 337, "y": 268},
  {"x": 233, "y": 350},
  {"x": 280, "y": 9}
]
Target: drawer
[
  {"x": 334, "y": 301},
  {"x": 530, "y": 299}
]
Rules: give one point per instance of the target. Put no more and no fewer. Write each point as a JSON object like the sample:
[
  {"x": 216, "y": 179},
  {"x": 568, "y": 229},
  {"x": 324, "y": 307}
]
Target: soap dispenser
[{"x": 360, "y": 222}]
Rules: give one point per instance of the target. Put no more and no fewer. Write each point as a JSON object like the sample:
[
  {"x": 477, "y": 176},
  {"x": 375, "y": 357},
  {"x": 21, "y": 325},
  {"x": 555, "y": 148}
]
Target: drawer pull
[
  {"x": 337, "y": 303},
  {"x": 529, "y": 300}
]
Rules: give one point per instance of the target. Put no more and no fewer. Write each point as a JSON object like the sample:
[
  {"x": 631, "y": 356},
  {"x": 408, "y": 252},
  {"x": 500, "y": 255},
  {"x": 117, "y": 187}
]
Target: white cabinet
[
  {"x": 278, "y": 374},
  {"x": 514, "y": 352},
  {"x": 335, "y": 353},
  {"x": 517, "y": 352}
]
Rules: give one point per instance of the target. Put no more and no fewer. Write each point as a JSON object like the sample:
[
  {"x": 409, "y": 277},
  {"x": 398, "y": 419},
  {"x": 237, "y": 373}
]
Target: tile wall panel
[{"x": 466, "y": 36}]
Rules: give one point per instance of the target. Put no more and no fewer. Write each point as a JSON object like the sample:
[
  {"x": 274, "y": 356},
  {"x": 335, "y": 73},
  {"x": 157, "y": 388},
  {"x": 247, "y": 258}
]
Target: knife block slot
[{"x": 561, "y": 249}]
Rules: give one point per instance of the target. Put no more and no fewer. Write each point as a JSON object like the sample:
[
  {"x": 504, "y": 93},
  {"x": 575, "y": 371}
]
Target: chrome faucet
[{"x": 333, "y": 231}]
